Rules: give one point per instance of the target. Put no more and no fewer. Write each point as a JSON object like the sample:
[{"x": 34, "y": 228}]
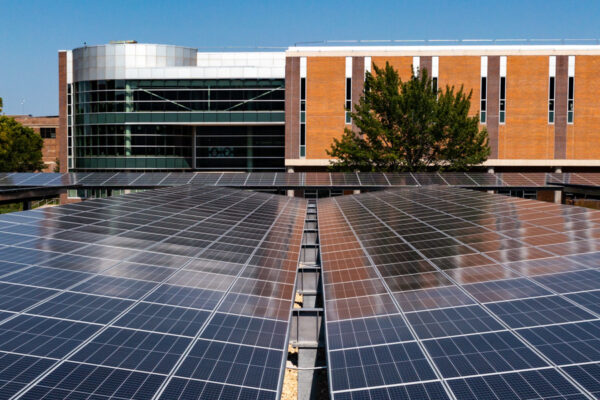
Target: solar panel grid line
[
  {"x": 442, "y": 178},
  {"x": 28, "y": 267},
  {"x": 580, "y": 307},
  {"x": 191, "y": 345},
  {"x": 522, "y": 328},
  {"x": 438, "y": 374},
  {"x": 473, "y": 180},
  {"x": 502, "y": 179},
  {"x": 546, "y": 287},
  {"x": 531, "y": 347},
  {"x": 61, "y": 254},
  {"x": 75, "y": 350}
]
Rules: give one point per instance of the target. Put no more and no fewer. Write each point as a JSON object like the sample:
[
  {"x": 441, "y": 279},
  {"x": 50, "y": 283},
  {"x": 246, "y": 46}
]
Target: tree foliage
[
  {"x": 20, "y": 147},
  {"x": 408, "y": 126}
]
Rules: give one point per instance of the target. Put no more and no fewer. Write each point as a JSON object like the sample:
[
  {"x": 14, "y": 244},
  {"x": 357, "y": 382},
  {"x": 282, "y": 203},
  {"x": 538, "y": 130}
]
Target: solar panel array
[
  {"x": 174, "y": 294},
  {"x": 444, "y": 293},
  {"x": 300, "y": 179}
]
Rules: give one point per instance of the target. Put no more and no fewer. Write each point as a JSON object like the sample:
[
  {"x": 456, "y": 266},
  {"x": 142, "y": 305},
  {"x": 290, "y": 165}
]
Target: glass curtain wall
[{"x": 151, "y": 124}]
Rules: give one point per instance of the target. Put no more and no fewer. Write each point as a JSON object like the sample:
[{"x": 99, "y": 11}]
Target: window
[
  {"x": 48, "y": 133},
  {"x": 502, "y": 116},
  {"x": 435, "y": 68},
  {"x": 570, "y": 100},
  {"x": 348, "y": 105},
  {"x": 483, "y": 99},
  {"x": 571, "y": 89},
  {"x": 502, "y": 92},
  {"x": 302, "y": 117},
  {"x": 551, "y": 94}
]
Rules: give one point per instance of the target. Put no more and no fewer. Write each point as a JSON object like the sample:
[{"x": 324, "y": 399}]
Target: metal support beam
[
  {"x": 307, "y": 327},
  {"x": 558, "y": 197}
]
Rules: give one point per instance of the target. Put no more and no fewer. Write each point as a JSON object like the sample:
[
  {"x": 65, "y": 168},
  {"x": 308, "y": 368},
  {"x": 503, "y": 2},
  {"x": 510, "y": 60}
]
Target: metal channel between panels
[
  {"x": 446, "y": 293},
  {"x": 163, "y": 294}
]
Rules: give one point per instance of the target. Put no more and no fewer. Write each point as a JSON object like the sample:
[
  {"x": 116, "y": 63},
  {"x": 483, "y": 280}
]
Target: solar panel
[
  {"x": 482, "y": 296},
  {"x": 130, "y": 297},
  {"x": 302, "y": 179}
]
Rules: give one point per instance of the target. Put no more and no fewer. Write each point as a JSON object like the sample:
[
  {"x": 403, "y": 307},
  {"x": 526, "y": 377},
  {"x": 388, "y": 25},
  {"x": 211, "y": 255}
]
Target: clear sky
[{"x": 31, "y": 32}]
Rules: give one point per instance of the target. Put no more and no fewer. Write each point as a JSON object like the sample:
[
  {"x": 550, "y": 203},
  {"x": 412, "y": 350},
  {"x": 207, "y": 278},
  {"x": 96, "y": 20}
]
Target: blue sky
[{"x": 31, "y": 32}]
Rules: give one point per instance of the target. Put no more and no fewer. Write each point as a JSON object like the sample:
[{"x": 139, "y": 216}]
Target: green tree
[
  {"x": 409, "y": 126},
  {"x": 20, "y": 147}
]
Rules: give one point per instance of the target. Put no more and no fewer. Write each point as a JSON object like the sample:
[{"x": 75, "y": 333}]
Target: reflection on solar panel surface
[
  {"x": 434, "y": 293},
  {"x": 176, "y": 293},
  {"x": 301, "y": 179},
  {"x": 183, "y": 293}
]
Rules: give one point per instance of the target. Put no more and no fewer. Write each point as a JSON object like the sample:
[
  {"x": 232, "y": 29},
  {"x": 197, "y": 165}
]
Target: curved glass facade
[{"x": 206, "y": 124}]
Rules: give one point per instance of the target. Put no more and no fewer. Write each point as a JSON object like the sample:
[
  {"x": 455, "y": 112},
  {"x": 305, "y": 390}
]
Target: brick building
[
  {"x": 130, "y": 106},
  {"x": 47, "y": 127}
]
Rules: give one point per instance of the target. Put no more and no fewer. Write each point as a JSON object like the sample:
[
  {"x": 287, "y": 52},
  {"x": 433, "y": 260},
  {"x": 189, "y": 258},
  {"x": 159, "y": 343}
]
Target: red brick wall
[
  {"x": 325, "y": 100},
  {"x": 50, "y": 151}
]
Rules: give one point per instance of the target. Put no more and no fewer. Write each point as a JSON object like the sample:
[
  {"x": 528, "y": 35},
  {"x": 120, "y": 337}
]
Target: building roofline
[{"x": 446, "y": 50}]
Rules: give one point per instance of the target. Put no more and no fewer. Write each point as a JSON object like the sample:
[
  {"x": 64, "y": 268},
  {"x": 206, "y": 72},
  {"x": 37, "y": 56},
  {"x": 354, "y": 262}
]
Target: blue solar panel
[
  {"x": 587, "y": 375},
  {"x": 163, "y": 318},
  {"x": 367, "y": 332},
  {"x": 116, "y": 287},
  {"x": 82, "y": 307},
  {"x": 449, "y": 296},
  {"x": 16, "y": 371},
  {"x": 245, "y": 330},
  {"x": 417, "y": 300},
  {"x": 79, "y": 381},
  {"x": 18, "y": 297},
  {"x": 576, "y": 281},
  {"x": 590, "y": 300},
  {"x": 46, "y": 277},
  {"x": 232, "y": 364},
  {"x": 508, "y": 289},
  {"x": 131, "y": 349},
  {"x": 187, "y": 389},
  {"x": 378, "y": 365},
  {"x": 185, "y": 297},
  {"x": 418, "y": 391},
  {"x": 452, "y": 322},
  {"x": 45, "y": 337},
  {"x": 538, "y": 311},
  {"x": 528, "y": 385},
  {"x": 481, "y": 354},
  {"x": 567, "y": 343},
  {"x": 128, "y": 309},
  {"x": 477, "y": 281}
]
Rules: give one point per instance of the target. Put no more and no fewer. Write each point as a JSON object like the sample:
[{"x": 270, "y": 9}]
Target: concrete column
[{"x": 558, "y": 196}]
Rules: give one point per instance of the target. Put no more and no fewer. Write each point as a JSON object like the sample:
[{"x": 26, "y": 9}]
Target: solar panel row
[
  {"x": 436, "y": 293},
  {"x": 176, "y": 293},
  {"x": 301, "y": 179}
]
